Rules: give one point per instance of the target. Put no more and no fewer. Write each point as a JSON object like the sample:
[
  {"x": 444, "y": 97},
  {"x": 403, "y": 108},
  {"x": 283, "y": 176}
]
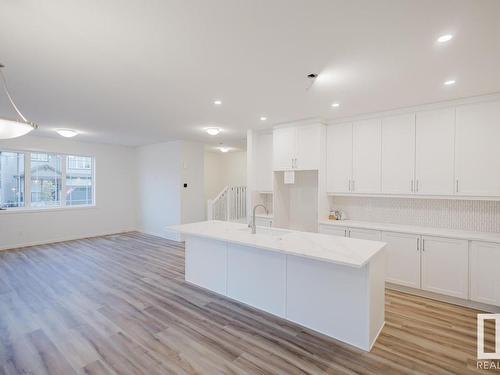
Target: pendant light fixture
[{"x": 13, "y": 128}]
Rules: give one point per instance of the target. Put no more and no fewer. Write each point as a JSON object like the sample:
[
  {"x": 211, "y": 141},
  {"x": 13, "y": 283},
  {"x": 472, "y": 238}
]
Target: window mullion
[
  {"x": 27, "y": 179},
  {"x": 63, "y": 180}
]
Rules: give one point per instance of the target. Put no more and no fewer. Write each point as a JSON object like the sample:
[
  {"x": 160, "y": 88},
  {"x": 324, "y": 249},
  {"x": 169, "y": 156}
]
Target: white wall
[
  {"x": 222, "y": 169},
  {"x": 115, "y": 209},
  {"x": 163, "y": 169},
  {"x": 159, "y": 187}
]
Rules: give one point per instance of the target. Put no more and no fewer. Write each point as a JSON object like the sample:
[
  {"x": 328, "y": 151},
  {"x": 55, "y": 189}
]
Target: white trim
[
  {"x": 25, "y": 210},
  {"x": 63, "y": 239},
  {"x": 415, "y": 196},
  {"x": 377, "y": 335},
  {"x": 417, "y": 108}
]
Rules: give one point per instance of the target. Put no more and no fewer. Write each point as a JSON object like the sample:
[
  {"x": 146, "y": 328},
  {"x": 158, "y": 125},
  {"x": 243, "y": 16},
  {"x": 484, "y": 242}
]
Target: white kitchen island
[{"x": 333, "y": 285}]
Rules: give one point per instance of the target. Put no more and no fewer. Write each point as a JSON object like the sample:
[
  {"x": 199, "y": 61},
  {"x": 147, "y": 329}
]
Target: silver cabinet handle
[
  {"x": 350, "y": 189},
  {"x": 418, "y": 244},
  {"x": 457, "y": 186},
  {"x": 423, "y": 244},
  {"x": 411, "y": 186},
  {"x": 345, "y": 232}
]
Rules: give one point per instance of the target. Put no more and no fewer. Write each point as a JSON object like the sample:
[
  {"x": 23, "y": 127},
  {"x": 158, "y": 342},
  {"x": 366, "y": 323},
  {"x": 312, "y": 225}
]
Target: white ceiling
[{"x": 136, "y": 71}]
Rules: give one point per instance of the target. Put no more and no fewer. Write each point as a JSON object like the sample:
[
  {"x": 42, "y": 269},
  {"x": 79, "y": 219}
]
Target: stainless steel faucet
[{"x": 252, "y": 224}]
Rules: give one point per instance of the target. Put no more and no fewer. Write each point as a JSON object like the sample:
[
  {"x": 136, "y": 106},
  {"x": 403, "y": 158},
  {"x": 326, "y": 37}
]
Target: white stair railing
[{"x": 229, "y": 205}]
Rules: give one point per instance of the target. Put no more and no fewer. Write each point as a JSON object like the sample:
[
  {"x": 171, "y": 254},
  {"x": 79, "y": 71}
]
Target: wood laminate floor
[{"x": 119, "y": 305}]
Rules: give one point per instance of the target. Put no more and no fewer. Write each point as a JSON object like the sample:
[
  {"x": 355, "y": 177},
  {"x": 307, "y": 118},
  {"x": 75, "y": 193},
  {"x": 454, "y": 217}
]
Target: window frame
[{"x": 27, "y": 182}]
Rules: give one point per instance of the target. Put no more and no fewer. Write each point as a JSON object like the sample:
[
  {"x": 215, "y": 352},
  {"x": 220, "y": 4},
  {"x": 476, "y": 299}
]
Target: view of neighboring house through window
[
  {"x": 11, "y": 179},
  {"x": 45, "y": 180},
  {"x": 78, "y": 180}
]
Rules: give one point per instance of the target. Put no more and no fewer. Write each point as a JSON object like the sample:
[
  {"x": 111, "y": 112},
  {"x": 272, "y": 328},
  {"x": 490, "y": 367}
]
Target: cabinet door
[
  {"x": 364, "y": 234},
  {"x": 263, "y": 168},
  {"x": 366, "y": 157},
  {"x": 284, "y": 145},
  {"x": 339, "y": 158},
  {"x": 477, "y": 160},
  {"x": 398, "y": 154},
  {"x": 435, "y": 148},
  {"x": 309, "y": 148},
  {"x": 403, "y": 259},
  {"x": 445, "y": 266},
  {"x": 333, "y": 230},
  {"x": 484, "y": 275}
]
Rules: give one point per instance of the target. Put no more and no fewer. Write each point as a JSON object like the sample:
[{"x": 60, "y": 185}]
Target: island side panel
[
  {"x": 376, "y": 292},
  {"x": 257, "y": 277},
  {"x": 329, "y": 298},
  {"x": 206, "y": 263}
]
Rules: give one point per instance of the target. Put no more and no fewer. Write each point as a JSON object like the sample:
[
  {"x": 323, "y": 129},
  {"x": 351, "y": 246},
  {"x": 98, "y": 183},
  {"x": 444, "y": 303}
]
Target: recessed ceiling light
[
  {"x": 217, "y": 102},
  {"x": 263, "y": 118},
  {"x": 67, "y": 133},
  {"x": 445, "y": 38},
  {"x": 335, "y": 105},
  {"x": 224, "y": 149},
  {"x": 213, "y": 131},
  {"x": 450, "y": 82}
]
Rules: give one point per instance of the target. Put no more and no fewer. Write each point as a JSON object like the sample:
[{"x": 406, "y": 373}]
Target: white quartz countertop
[
  {"x": 345, "y": 251},
  {"x": 428, "y": 231}
]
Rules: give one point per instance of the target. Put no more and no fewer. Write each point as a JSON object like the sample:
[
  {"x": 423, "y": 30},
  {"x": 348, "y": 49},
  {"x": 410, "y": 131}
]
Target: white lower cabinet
[
  {"x": 484, "y": 272},
  {"x": 403, "y": 258},
  {"x": 445, "y": 266},
  {"x": 333, "y": 230},
  {"x": 364, "y": 234}
]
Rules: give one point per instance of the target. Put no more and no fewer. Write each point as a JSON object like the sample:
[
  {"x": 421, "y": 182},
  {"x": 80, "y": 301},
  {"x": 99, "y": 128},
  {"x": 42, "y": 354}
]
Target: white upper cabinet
[
  {"x": 309, "y": 149},
  {"x": 398, "y": 154},
  {"x": 263, "y": 168},
  {"x": 477, "y": 149},
  {"x": 298, "y": 148},
  {"x": 339, "y": 158},
  {"x": 366, "y": 157},
  {"x": 434, "y": 157},
  {"x": 283, "y": 148},
  {"x": 445, "y": 266}
]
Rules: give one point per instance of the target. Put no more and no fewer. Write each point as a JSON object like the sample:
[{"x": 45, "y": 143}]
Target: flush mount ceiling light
[
  {"x": 335, "y": 105},
  {"x": 67, "y": 133},
  {"x": 449, "y": 82},
  {"x": 13, "y": 128},
  {"x": 217, "y": 102},
  {"x": 445, "y": 38},
  {"x": 224, "y": 149},
  {"x": 213, "y": 130},
  {"x": 263, "y": 118}
]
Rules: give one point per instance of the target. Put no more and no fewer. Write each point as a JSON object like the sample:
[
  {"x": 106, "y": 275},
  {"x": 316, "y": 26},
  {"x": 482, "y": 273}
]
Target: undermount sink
[{"x": 267, "y": 231}]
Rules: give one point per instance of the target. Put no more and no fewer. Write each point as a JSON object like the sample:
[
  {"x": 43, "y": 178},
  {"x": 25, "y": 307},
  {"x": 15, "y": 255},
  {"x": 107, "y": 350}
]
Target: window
[
  {"x": 11, "y": 179},
  {"x": 78, "y": 180},
  {"x": 53, "y": 180},
  {"x": 45, "y": 180}
]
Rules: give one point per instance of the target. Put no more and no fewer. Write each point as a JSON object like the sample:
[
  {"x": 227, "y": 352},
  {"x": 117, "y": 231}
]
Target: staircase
[{"x": 229, "y": 205}]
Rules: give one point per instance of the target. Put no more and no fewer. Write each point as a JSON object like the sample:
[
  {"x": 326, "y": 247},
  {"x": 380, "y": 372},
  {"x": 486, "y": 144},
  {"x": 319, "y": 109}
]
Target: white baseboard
[
  {"x": 168, "y": 235},
  {"x": 63, "y": 239},
  {"x": 443, "y": 298}
]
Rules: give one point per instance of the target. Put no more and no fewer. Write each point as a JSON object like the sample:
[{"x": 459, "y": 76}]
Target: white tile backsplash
[{"x": 482, "y": 216}]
